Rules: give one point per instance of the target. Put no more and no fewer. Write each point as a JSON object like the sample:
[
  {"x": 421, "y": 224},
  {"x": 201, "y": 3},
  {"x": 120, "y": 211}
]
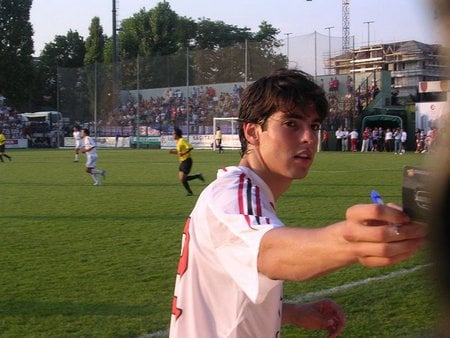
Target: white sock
[
  {"x": 94, "y": 177},
  {"x": 96, "y": 171}
]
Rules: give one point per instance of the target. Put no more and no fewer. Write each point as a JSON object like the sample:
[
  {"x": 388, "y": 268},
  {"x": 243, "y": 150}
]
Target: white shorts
[{"x": 91, "y": 160}]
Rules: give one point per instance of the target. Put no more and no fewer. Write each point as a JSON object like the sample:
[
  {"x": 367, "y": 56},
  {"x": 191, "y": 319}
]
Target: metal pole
[
  {"x": 368, "y": 49},
  {"x": 245, "y": 62},
  {"x": 315, "y": 55},
  {"x": 114, "y": 53},
  {"x": 95, "y": 100},
  {"x": 57, "y": 87},
  {"x": 138, "y": 102},
  {"x": 287, "y": 47},
  {"x": 368, "y": 32},
  {"x": 187, "y": 90},
  {"x": 329, "y": 48}
]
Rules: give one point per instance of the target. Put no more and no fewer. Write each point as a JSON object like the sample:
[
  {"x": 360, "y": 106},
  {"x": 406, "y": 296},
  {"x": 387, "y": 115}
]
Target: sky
[{"x": 393, "y": 20}]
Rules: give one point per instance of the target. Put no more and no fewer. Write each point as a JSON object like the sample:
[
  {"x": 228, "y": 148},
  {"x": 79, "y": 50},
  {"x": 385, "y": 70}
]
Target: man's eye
[
  {"x": 315, "y": 127},
  {"x": 292, "y": 124}
]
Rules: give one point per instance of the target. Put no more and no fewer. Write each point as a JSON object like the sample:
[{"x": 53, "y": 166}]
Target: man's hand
[
  {"x": 321, "y": 315},
  {"x": 382, "y": 235}
]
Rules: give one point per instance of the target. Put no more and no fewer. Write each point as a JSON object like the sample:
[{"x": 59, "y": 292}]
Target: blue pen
[{"x": 376, "y": 199}]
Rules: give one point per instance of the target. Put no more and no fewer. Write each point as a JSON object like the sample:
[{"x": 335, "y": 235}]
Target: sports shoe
[
  {"x": 97, "y": 183},
  {"x": 189, "y": 194},
  {"x": 103, "y": 174},
  {"x": 200, "y": 177}
]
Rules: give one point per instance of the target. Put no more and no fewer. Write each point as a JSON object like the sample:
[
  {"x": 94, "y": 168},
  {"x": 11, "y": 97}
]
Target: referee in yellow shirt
[
  {"x": 2, "y": 146},
  {"x": 183, "y": 151}
]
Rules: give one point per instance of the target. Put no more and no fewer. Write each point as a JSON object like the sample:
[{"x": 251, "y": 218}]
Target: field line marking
[
  {"x": 327, "y": 292},
  {"x": 331, "y": 291},
  {"x": 350, "y": 170}
]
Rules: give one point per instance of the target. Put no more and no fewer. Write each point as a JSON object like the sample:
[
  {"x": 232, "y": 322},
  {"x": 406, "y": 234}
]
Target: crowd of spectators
[
  {"x": 160, "y": 113},
  {"x": 11, "y": 123},
  {"x": 163, "y": 112}
]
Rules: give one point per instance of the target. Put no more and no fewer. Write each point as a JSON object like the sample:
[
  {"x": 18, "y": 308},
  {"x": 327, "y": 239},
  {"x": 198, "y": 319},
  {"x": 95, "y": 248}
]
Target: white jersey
[
  {"x": 91, "y": 153},
  {"x": 77, "y": 137},
  {"x": 219, "y": 291}
]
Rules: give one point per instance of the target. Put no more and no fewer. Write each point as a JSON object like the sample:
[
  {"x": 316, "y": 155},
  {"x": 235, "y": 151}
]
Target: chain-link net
[{"x": 149, "y": 96}]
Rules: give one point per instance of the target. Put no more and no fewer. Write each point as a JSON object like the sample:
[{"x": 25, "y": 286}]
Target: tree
[
  {"x": 16, "y": 49},
  {"x": 95, "y": 43},
  {"x": 220, "y": 52},
  {"x": 217, "y": 34},
  {"x": 64, "y": 55},
  {"x": 154, "y": 37},
  {"x": 264, "y": 52}
]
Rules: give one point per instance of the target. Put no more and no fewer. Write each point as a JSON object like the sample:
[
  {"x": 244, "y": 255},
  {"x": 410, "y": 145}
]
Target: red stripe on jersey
[
  {"x": 247, "y": 218},
  {"x": 258, "y": 202},
  {"x": 175, "y": 310},
  {"x": 241, "y": 193},
  {"x": 184, "y": 258}
]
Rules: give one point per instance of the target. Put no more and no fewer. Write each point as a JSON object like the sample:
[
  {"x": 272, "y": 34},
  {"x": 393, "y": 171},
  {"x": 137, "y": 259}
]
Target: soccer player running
[
  {"x": 76, "y": 133},
  {"x": 2, "y": 146},
  {"x": 236, "y": 252},
  {"x": 183, "y": 151},
  {"x": 89, "y": 148}
]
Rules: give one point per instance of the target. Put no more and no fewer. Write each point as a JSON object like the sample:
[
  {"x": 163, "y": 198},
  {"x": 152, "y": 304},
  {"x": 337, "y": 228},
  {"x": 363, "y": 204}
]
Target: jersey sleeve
[{"x": 242, "y": 216}]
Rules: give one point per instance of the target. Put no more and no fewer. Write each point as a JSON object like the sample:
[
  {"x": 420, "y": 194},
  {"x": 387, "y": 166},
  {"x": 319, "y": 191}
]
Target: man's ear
[{"x": 251, "y": 132}]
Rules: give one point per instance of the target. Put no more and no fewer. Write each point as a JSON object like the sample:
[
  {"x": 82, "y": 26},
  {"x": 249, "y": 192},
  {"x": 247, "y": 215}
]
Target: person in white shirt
[
  {"x": 339, "y": 134},
  {"x": 404, "y": 139},
  {"x": 236, "y": 252},
  {"x": 388, "y": 140},
  {"x": 397, "y": 141},
  {"x": 76, "y": 133},
  {"x": 345, "y": 135},
  {"x": 89, "y": 148},
  {"x": 354, "y": 140}
]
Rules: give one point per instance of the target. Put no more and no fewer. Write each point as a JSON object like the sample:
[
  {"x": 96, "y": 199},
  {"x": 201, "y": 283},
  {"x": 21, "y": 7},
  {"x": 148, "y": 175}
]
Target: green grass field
[{"x": 85, "y": 261}]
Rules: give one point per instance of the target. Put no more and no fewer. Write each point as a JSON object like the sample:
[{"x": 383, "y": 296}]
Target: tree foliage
[
  {"x": 95, "y": 43},
  {"x": 154, "y": 47},
  {"x": 64, "y": 52},
  {"x": 16, "y": 49}
]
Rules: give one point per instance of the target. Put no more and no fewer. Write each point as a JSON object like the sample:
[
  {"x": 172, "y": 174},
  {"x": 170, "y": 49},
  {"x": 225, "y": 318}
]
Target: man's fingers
[{"x": 374, "y": 212}]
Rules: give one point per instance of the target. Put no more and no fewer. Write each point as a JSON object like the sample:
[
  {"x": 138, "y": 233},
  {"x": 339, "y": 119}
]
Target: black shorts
[
  {"x": 2, "y": 148},
  {"x": 186, "y": 166}
]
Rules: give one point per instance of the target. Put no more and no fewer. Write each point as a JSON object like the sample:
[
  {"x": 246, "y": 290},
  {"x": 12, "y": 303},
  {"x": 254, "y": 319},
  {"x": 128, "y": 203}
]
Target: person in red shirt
[{"x": 325, "y": 138}]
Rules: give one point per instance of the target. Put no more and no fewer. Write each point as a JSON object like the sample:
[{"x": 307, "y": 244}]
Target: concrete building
[{"x": 408, "y": 62}]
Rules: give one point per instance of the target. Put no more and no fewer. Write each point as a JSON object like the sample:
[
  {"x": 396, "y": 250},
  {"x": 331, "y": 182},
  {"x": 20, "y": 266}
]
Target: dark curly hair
[{"x": 283, "y": 90}]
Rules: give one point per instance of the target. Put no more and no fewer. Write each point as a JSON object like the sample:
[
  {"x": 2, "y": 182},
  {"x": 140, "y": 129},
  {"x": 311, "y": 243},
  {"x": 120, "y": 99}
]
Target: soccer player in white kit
[
  {"x": 76, "y": 133},
  {"x": 89, "y": 148},
  {"x": 236, "y": 252}
]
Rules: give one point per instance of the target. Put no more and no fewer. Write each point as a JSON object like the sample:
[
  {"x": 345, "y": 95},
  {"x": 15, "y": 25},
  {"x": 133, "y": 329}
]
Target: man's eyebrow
[{"x": 293, "y": 115}]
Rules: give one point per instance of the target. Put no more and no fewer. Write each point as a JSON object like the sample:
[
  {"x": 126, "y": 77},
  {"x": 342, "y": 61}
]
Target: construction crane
[{"x": 345, "y": 26}]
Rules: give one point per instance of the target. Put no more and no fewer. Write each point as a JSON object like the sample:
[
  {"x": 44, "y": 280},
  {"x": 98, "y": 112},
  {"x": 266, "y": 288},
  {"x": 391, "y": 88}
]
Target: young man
[
  {"x": 2, "y": 146},
  {"x": 89, "y": 148},
  {"x": 183, "y": 151},
  {"x": 236, "y": 252},
  {"x": 76, "y": 133}
]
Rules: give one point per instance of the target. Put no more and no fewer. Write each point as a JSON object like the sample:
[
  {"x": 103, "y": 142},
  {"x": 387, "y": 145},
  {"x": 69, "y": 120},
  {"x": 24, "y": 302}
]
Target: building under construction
[{"x": 408, "y": 63}]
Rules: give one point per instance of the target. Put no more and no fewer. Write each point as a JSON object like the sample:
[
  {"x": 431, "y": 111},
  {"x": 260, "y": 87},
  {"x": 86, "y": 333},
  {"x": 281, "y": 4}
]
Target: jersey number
[{"x": 182, "y": 264}]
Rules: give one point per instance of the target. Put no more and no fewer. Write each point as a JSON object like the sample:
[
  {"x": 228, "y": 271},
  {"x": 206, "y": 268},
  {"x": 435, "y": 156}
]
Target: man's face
[{"x": 288, "y": 142}]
